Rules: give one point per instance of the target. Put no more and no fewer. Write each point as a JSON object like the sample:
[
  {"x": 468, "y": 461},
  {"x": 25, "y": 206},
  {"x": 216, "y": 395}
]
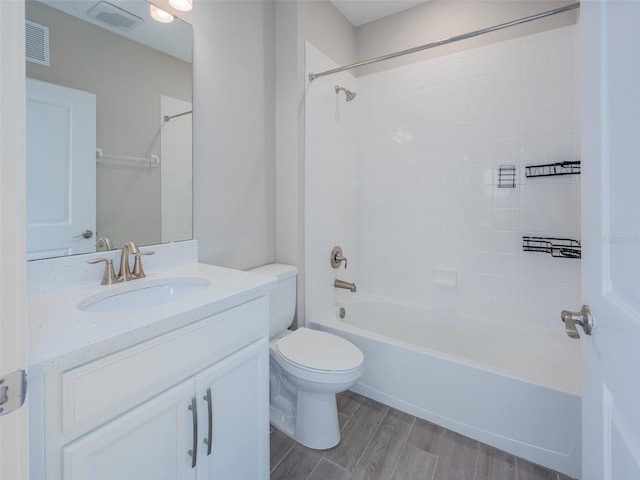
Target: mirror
[{"x": 137, "y": 74}]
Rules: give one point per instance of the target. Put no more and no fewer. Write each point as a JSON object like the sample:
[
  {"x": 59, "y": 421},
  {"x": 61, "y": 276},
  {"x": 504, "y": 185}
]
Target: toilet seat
[{"x": 318, "y": 351}]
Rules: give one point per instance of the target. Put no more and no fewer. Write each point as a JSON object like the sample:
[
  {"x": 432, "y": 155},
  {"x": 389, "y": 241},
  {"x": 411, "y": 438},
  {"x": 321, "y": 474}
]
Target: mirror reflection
[{"x": 109, "y": 123}]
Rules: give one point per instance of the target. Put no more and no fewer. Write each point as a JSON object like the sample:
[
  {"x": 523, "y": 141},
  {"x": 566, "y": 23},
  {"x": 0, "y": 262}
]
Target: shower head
[{"x": 349, "y": 94}]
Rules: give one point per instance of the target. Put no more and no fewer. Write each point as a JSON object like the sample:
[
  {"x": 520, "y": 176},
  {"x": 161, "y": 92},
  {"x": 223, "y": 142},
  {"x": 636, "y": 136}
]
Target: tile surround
[{"x": 429, "y": 138}]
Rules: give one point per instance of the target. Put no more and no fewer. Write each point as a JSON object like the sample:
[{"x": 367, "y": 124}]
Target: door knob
[
  {"x": 85, "y": 234},
  {"x": 582, "y": 318}
]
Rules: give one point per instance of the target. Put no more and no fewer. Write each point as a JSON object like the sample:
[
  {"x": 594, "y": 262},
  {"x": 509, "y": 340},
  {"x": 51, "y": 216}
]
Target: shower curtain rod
[
  {"x": 166, "y": 118},
  {"x": 513, "y": 23}
]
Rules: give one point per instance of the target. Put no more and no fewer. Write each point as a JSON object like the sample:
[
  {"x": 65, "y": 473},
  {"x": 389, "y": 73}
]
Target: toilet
[{"x": 306, "y": 368}]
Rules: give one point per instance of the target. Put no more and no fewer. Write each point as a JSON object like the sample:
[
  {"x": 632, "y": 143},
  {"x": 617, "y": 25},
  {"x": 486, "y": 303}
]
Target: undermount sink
[{"x": 143, "y": 293}]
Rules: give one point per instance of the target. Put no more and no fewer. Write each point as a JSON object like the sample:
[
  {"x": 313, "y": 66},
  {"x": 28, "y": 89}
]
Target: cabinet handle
[
  {"x": 209, "y": 440},
  {"x": 194, "y": 452}
]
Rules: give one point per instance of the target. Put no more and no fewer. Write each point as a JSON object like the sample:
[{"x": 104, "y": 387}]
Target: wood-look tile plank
[
  {"x": 342, "y": 420},
  {"x": 530, "y": 471},
  {"x": 297, "y": 464},
  {"x": 562, "y": 476},
  {"x": 356, "y": 434},
  {"x": 280, "y": 444},
  {"x": 348, "y": 402},
  {"x": 415, "y": 464},
  {"x": 325, "y": 470},
  {"x": 427, "y": 436},
  {"x": 457, "y": 459},
  {"x": 492, "y": 464},
  {"x": 385, "y": 448}
]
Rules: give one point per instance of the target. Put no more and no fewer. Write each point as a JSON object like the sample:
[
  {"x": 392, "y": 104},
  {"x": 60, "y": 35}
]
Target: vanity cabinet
[{"x": 190, "y": 404}]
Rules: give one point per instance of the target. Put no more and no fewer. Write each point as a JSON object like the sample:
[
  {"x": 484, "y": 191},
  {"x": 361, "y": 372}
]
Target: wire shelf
[
  {"x": 557, "y": 247},
  {"x": 507, "y": 176},
  {"x": 552, "y": 169}
]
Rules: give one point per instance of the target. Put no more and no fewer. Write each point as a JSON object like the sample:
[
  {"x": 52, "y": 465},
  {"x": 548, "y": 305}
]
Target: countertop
[{"x": 62, "y": 336}]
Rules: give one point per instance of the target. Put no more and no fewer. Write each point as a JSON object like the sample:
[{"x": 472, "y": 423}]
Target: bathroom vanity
[{"x": 176, "y": 390}]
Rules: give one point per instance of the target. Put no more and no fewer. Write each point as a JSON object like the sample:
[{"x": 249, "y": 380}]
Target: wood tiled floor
[{"x": 381, "y": 443}]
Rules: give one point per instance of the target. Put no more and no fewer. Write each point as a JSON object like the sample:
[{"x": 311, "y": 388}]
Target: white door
[
  {"x": 610, "y": 145},
  {"x": 233, "y": 408},
  {"x": 151, "y": 442},
  {"x": 61, "y": 170}
]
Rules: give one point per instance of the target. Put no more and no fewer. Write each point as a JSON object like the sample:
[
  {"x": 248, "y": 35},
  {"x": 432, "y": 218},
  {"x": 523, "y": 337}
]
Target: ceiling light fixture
[
  {"x": 182, "y": 5},
  {"x": 160, "y": 15}
]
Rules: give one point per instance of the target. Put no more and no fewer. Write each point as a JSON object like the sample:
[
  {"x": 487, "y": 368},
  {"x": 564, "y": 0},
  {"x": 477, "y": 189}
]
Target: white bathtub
[{"x": 505, "y": 384}]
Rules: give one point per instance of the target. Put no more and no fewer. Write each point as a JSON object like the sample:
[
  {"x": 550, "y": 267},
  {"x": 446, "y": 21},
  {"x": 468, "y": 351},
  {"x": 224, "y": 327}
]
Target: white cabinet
[
  {"x": 235, "y": 426},
  {"x": 150, "y": 442},
  {"x": 190, "y": 404}
]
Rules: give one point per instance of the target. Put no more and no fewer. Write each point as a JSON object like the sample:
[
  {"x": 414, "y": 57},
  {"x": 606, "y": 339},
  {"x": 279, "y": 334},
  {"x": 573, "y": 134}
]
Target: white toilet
[{"x": 306, "y": 368}]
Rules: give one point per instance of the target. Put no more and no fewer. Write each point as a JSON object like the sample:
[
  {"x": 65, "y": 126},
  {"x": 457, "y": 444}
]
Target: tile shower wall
[
  {"x": 432, "y": 226},
  {"x": 330, "y": 182}
]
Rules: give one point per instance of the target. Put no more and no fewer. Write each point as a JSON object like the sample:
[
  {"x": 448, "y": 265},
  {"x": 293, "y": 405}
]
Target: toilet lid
[{"x": 320, "y": 350}]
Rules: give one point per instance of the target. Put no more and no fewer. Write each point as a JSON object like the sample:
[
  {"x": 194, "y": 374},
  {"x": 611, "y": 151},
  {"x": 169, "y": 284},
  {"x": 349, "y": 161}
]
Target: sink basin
[{"x": 143, "y": 293}]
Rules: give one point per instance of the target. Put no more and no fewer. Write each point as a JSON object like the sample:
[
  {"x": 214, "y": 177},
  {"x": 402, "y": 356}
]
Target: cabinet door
[
  {"x": 238, "y": 388},
  {"x": 150, "y": 442}
]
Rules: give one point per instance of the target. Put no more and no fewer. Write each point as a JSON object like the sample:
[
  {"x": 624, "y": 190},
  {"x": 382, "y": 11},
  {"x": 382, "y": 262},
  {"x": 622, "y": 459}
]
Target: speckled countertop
[{"x": 62, "y": 336}]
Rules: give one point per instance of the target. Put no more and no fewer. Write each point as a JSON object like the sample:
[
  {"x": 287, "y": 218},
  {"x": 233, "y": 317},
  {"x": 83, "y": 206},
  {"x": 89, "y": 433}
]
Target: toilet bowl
[{"x": 306, "y": 369}]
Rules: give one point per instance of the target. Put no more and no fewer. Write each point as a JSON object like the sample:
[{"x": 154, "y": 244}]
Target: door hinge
[{"x": 13, "y": 390}]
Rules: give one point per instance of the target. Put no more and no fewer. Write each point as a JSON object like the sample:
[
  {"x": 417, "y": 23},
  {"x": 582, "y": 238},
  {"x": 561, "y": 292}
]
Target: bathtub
[{"x": 505, "y": 384}]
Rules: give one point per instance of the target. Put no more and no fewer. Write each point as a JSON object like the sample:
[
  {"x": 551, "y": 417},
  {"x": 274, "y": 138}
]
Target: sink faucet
[
  {"x": 346, "y": 285},
  {"x": 124, "y": 273}
]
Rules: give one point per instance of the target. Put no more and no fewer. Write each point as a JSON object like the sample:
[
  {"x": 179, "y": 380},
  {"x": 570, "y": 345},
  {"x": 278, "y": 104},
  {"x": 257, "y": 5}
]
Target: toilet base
[{"x": 315, "y": 424}]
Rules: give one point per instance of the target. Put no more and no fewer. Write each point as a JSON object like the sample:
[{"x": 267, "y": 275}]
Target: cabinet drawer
[{"x": 95, "y": 392}]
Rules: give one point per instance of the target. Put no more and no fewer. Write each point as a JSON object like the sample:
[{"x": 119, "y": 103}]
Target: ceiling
[{"x": 359, "y": 12}]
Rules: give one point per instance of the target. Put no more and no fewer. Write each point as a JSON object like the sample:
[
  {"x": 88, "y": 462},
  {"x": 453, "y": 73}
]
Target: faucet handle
[
  {"x": 337, "y": 258},
  {"x": 109, "y": 276},
  {"x": 138, "y": 272}
]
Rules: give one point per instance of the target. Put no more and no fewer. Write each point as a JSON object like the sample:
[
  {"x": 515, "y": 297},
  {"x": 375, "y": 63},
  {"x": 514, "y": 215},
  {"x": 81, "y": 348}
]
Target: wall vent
[
  {"x": 114, "y": 16},
  {"x": 37, "y": 43}
]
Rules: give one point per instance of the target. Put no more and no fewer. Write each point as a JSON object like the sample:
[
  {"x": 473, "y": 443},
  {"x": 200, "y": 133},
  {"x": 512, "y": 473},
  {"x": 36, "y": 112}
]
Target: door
[
  {"x": 610, "y": 145},
  {"x": 233, "y": 400},
  {"x": 13, "y": 325},
  {"x": 61, "y": 170},
  {"x": 151, "y": 442}
]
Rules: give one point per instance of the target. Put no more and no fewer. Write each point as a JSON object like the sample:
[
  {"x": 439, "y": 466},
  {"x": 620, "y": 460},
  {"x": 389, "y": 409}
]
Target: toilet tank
[{"x": 282, "y": 297}]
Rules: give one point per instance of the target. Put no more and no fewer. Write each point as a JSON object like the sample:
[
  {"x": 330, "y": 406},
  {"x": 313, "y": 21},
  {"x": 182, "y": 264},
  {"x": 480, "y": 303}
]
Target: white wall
[{"x": 234, "y": 150}]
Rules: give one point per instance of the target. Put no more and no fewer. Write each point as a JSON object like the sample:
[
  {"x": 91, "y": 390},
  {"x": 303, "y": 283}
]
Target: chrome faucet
[
  {"x": 346, "y": 285},
  {"x": 124, "y": 273}
]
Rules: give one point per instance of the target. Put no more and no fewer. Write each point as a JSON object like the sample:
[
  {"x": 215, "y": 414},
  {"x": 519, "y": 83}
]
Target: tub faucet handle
[{"x": 337, "y": 258}]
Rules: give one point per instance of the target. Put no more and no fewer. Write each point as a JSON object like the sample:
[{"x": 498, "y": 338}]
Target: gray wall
[
  {"x": 234, "y": 165},
  {"x": 128, "y": 80},
  {"x": 439, "y": 19}
]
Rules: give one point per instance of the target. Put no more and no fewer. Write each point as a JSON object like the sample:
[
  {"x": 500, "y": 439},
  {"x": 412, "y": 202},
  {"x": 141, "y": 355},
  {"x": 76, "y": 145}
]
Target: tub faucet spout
[{"x": 346, "y": 285}]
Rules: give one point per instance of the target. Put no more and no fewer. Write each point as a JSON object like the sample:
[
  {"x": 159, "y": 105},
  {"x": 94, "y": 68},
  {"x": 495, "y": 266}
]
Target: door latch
[
  {"x": 13, "y": 390},
  {"x": 582, "y": 318}
]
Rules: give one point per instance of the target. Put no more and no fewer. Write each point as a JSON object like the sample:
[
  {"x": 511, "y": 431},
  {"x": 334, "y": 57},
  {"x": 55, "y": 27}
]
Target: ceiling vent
[
  {"x": 37, "y": 43},
  {"x": 114, "y": 17}
]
